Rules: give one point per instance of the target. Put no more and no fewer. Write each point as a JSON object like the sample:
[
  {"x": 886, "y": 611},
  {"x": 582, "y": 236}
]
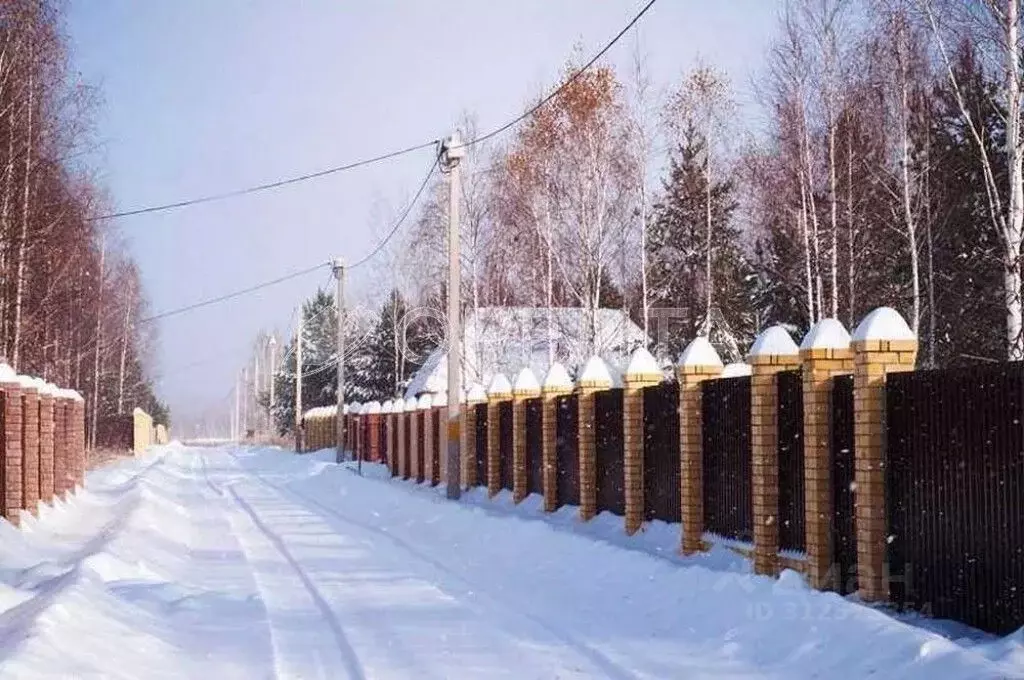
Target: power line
[
  {"x": 229, "y": 296},
  {"x": 264, "y": 187},
  {"x": 573, "y": 78},
  {"x": 401, "y": 220},
  {"x": 386, "y": 156}
]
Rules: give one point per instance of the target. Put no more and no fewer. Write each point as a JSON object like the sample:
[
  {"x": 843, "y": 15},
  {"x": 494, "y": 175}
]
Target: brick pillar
[
  {"x": 882, "y": 344},
  {"x": 441, "y": 413},
  {"x": 60, "y": 443},
  {"x": 46, "y": 444},
  {"x": 11, "y": 440},
  {"x": 30, "y": 446},
  {"x": 78, "y": 435},
  {"x": 595, "y": 377},
  {"x": 643, "y": 371},
  {"x": 556, "y": 383},
  {"x": 525, "y": 387},
  {"x": 387, "y": 446},
  {"x": 698, "y": 362},
  {"x": 772, "y": 352},
  {"x": 825, "y": 353},
  {"x": 373, "y": 438},
  {"x": 400, "y": 425},
  {"x": 476, "y": 395},
  {"x": 499, "y": 391},
  {"x": 427, "y": 409}
]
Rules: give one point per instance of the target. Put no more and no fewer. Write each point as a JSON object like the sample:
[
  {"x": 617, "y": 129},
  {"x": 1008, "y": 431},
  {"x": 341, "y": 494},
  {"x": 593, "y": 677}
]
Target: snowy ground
[{"x": 232, "y": 563}]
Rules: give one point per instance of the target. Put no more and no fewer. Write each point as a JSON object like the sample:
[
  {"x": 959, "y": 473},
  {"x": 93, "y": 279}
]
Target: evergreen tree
[{"x": 676, "y": 251}]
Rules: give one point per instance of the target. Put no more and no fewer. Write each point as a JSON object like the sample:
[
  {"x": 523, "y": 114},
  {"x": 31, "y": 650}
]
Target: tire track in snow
[
  {"x": 349, "y": 658},
  {"x": 599, "y": 659}
]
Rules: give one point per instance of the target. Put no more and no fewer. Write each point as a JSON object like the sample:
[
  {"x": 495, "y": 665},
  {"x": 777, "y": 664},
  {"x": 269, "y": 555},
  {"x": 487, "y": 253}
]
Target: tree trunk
[
  {"x": 850, "y": 233},
  {"x": 708, "y": 282},
  {"x": 802, "y": 221},
  {"x": 20, "y": 282},
  {"x": 124, "y": 350},
  {"x": 1015, "y": 218},
  {"x": 99, "y": 343}
]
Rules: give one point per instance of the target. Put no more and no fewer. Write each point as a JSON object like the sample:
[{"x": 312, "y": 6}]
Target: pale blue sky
[{"x": 203, "y": 96}]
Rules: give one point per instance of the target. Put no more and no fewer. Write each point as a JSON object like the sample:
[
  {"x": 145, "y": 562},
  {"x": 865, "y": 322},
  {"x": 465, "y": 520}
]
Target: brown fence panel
[
  {"x": 954, "y": 493},
  {"x": 481, "y": 444},
  {"x": 392, "y": 444},
  {"x": 844, "y": 535},
  {"x": 505, "y": 444},
  {"x": 661, "y": 452},
  {"x": 421, "y": 440},
  {"x": 790, "y": 409},
  {"x": 407, "y": 437},
  {"x": 728, "y": 488},
  {"x": 567, "y": 449},
  {"x": 611, "y": 467},
  {"x": 534, "y": 454}
]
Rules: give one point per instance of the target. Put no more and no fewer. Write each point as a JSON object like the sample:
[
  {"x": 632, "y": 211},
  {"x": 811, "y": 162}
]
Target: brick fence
[
  {"x": 42, "y": 445},
  {"x": 806, "y": 458}
]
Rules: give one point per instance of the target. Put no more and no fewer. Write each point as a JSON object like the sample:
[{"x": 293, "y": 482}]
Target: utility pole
[
  {"x": 272, "y": 343},
  {"x": 339, "y": 275},
  {"x": 245, "y": 402},
  {"x": 452, "y": 151},
  {"x": 298, "y": 383},
  {"x": 236, "y": 424}
]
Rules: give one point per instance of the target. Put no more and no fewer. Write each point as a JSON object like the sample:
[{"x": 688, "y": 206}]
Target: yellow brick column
[
  {"x": 772, "y": 352},
  {"x": 476, "y": 395},
  {"x": 643, "y": 371},
  {"x": 595, "y": 378},
  {"x": 525, "y": 387},
  {"x": 556, "y": 383},
  {"x": 825, "y": 353},
  {"x": 499, "y": 391},
  {"x": 882, "y": 344},
  {"x": 698, "y": 362}
]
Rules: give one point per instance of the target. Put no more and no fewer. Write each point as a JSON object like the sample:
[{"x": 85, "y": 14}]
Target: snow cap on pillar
[
  {"x": 526, "y": 383},
  {"x": 500, "y": 386},
  {"x": 7, "y": 374},
  {"x": 77, "y": 396},
  {"x": 355, "y": 408},
  {"x": 27, "y": 382},
  {"x": 372, "y": 408},
  {"x": 700, "y": 353},
  {"x": 595, "y": 374},
  {"x": 557, "y": 378},
  {"x": 884, "y": 323},
  {"x": 440, "y": 399},
  {"x": 826, "y": 334},
  {"x": 398, "y": 405},
  {"x": 643, "y": 367},
  {"x": 736, "y": 370},
  {"x": 387, "y": 407},
  {"x": 773, "y": 342},
  {"x": 477, "y": 393},
  {"x": 425, "y": 401}
]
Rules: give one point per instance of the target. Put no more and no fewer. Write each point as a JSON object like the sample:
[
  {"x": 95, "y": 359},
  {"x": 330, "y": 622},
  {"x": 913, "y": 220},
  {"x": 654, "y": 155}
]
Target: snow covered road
[{"x": 233, "y": 563}]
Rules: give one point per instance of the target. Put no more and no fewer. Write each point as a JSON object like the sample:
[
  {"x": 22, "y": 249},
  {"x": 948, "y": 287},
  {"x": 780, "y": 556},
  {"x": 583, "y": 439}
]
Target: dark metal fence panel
[
  {"x": 728, "y": 490},
  {"x": 844, "y": 533},
  {"x": 534, "y": 454},
  {"x": 481, "y": 444},
  {"x": 790, "y": 410},
  {"x": 954, "y": 481},
  {"x": 435, "y": 462},
  {"x": 567, "y": 449},
  {"x": 611, "y": 467},
  {"x": 661, "y": 452},
  {"x": 505, "y": 444}
]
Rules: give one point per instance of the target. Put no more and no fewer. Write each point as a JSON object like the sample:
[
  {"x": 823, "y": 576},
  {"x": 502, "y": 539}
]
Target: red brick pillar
[
  {"x": 883, "y": 343},
  {"x": 426, "y": 409},
  {"x": 46, "y": 443},
  {"x": 10, "y": 393},
  {"x": 77, "y": 453},
  {"x": 441, "y": 413},
  {"x": 388, "y": 445},
  {"x": 595, "y": 378},
  {"x": 643, "y": 371},
  {"x": 60, "y": 443},
  {"x": 525, "y": 387},
  {"x": 499, "y": 391},
  {"x": 698, "y": 362},
  {"x": 373, "y": 432},
  {"x": 772, "y": 352},
  {"x": 401, "y": 450},
  {"x": 30, "y": 444}
]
